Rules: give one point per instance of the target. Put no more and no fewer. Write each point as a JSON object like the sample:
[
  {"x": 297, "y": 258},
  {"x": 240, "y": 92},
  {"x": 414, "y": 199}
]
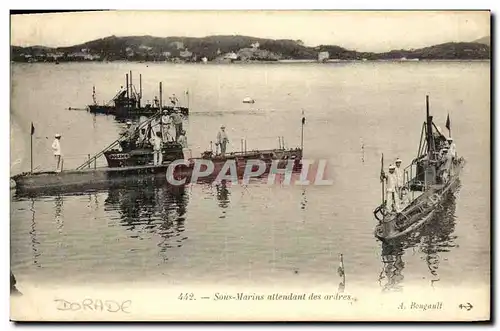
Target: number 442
[{"x": 186, "y": 296}]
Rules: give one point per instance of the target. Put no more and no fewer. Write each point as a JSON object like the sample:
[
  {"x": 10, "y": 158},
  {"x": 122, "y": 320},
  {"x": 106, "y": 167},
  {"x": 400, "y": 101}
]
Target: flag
[
  {"x": 32, "y": 129},
  {"x": 448, "y": 123},
  {"x": 187, "y": 92},
  {"x": 303, "y": 118}
]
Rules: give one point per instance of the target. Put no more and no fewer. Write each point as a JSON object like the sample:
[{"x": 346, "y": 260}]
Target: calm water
[{"x": 256, "y": 234}]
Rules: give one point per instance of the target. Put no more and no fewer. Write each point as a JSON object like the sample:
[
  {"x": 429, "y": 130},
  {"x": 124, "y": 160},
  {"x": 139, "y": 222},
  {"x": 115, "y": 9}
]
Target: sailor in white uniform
[
  {"x": 400, "y": 176},
  {"x": 56, "y": 147},
  {"x": 222, "y": 140},
  {"x": 452, "y": 149},
  {"x": 157, "y": 152},
  {"x": 391, "y": 193}
]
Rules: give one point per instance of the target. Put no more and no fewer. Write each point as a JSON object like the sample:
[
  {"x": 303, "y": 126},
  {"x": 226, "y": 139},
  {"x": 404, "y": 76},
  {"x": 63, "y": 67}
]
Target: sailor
[
  {"x": 449, "y": 153},
  {"x": 156, "y": 102},
  {"x": 391, "y": 193},
  {"x": 174, "y": 100},
  {"x": 157, "y": 155},
  {"x": 400, "y": 176},
  {"x": 177, "y": 121},
  {"x": 452, "y": 149},
  {"x": 56, "y": 147},
  {"x": 165, "y": 122},
  {"x": 129, "y": 130},
  {"x": 182, "y": 139},
  {"x": 142, "y": 136},
  {"x": 168, "y": 133},
  {"x": 165, "y": 118},
  {"x": 222, "y": 140}
]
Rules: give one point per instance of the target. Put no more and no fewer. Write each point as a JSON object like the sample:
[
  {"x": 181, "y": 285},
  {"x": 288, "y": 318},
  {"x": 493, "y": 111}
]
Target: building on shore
[{"x": 323, "y": 56}]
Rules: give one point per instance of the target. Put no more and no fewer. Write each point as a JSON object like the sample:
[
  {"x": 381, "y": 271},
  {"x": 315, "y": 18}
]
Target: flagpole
[
  {"x": 448, "y": 124},
  {"x": 302, "y": 132},
  {"x": 381, "y": 177},
  {"x": 31, "y": 147},
  {"x": 449, "y": 130}
]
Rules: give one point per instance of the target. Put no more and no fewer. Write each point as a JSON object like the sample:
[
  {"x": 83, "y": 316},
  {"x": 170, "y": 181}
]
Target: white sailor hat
[
  {"x": 129, "y": 123},
  {"x": 57, "y": 135},
  {"x": 399, "y": 160},
  {"x": 449, "y": 139},
  {"x": 392, "y": 167}
]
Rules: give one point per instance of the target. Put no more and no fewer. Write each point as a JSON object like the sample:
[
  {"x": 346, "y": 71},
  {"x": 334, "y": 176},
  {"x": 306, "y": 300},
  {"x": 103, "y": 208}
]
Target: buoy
[{"x": 248, "y": 100}]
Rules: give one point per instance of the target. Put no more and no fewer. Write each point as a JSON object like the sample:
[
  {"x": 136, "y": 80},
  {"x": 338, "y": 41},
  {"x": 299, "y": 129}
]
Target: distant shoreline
[{"x": 261, "y": 62}]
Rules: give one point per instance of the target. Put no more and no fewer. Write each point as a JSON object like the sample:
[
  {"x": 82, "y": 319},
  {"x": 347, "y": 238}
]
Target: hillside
[
  {"x": 225, "y": 47},
  {"x": 447, "y": 51},
  {"x": 485, "y": 40}
]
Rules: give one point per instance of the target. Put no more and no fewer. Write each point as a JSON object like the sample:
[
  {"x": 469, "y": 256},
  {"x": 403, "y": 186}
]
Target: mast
[
  {"x": 161, "y": 96},
  {"x": 140, "y": 89},
  {"x": 126, "y": 76},
  {"x": 161, "y": 115},
  {"x": 32, "y": 130},
  {"x": 430, "y": 145},
  {"x": 382, "y": 177},
  {"x": 131, "y": 86},
  {"x": 302, "y": 132}
]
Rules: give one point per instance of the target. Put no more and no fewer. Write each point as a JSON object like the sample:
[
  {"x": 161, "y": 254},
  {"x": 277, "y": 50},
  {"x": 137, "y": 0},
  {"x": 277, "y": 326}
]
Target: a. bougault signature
[{"x": 111, "y": 306}]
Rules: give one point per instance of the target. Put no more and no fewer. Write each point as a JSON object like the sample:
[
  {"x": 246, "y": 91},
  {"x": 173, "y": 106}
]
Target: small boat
[
  {"x": 248, "y": 100},
  {"x": 427, "y": 182}
]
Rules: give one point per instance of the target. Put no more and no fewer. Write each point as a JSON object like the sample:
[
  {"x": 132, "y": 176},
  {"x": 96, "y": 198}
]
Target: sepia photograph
[{"x": 250, "y": 165}]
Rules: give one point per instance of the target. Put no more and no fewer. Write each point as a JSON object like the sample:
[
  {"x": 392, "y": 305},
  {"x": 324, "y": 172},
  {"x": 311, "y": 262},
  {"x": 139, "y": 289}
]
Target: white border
[{"x": 217, "y": 4}]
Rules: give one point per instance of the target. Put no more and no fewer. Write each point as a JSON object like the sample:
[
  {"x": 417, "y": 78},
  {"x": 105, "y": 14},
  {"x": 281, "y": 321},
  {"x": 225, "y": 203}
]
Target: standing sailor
[
  {"x": 182, "y": 140},
  {"x": 129, "y": 130},
  {"x": 129, "y": 137},
  {"x": 168, "y": 132},
  {"x": 222, "y": 140},
  {"x": 56, "y": 147},
  {"x": 391, "y": 194},
  {"x": 165, "y": 124},
  {"x": 177, "y": 120},
  {"x": 157, "y": 155},
  {"x": 186, "y": 152},
  {"x": 452, "y": 149},
  {"x": 400, "y": 177},
  {"x": 174, "y": 100}
]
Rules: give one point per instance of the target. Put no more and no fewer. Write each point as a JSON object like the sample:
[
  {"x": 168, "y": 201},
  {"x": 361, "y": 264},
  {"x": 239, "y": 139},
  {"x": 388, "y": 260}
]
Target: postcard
[{"x": 250, "y": 166}]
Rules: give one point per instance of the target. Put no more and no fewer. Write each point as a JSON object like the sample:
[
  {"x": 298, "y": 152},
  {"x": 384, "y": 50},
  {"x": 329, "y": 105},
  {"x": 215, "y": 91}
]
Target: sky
[{"x": 359, "y": 30}]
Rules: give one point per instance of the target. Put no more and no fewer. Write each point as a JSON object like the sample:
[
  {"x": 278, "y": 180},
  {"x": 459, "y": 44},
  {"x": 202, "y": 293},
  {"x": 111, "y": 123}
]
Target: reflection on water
[
  {"x": 34, "y": 241},
  {"x": 303, "y": 202},
  {"x": 146, "y": 209},
  {"x": 58, "y": 206},
  {"x": 222, "y": 194},
  {"x": 432, "y": 240}
]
